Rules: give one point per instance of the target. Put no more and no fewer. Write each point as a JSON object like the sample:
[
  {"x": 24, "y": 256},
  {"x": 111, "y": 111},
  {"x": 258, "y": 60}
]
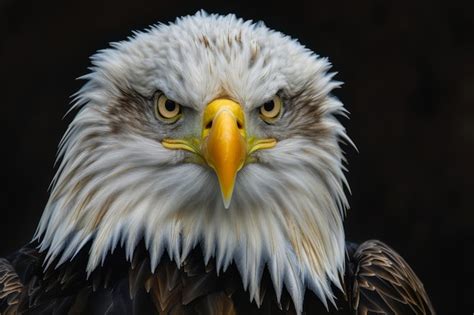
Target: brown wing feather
[
  {"x": 385, "y": 284},
  {"x": 188, "y": 290},
  {"x": 165, "y": 289},
  {"x": 216, "y": 304},
  {"x": 10, "y": 288}
]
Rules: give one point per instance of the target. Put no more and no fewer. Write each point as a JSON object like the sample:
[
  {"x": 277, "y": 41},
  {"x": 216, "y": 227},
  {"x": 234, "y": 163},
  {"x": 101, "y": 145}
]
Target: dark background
[{"x": 408, "y": 69}]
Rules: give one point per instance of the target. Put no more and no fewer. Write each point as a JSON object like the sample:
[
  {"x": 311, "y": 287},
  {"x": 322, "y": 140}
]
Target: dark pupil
[
  {"x": 170, "y": 105},
  {"x": 268, "y": 106}
]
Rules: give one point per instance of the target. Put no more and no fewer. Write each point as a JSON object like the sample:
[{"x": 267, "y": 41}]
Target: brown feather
[
  {"x": 163, "y": 279},
  {"x": 137, "y": 276},
  {"x": 10, "y": 288},
  {"x": 385, "y": 284},
  {"x": 216, "y": 304}
]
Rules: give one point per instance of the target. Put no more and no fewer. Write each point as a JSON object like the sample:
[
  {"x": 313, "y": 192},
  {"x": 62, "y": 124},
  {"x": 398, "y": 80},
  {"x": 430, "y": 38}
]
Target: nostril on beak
[{"x": 239, "y": 124}]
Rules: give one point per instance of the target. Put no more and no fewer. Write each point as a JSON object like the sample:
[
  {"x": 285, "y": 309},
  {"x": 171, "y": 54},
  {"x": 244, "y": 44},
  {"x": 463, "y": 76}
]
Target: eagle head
[{"x": 212, "y": 132}]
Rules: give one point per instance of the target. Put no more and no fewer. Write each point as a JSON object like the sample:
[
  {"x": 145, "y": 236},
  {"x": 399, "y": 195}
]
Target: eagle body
[
  {"x": 377, "y": 281},
  {"x": 202, "y": 174}
]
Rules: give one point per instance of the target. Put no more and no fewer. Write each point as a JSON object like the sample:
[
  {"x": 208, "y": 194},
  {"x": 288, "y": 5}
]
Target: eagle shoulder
[
  {"x": 10, "y": 288},
  {"x": 382, "y": 282}
]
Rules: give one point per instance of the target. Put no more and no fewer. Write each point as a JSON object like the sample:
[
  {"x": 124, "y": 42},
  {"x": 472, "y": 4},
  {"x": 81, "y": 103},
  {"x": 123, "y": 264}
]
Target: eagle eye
[
  {"x": 271, "y": 110},
  {"x": 166, "y": 109}
]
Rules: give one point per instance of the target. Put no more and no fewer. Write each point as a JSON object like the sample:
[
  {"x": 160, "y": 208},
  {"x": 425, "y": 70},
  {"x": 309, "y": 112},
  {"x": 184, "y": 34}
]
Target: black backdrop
[{"x": 408, "y": 71}]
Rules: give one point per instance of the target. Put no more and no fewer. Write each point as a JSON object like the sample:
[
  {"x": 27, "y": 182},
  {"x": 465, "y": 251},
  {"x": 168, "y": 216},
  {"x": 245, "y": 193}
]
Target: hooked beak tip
[{"x": 227, "y": 202}]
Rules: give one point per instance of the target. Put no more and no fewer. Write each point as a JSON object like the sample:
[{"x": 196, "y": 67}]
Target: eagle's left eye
[
  {"x": 271, "y": 110},
  {"x": 166, "y": 109}
]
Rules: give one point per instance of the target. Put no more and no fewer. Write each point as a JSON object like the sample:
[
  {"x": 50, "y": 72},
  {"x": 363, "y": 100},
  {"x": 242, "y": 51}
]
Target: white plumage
[{"x": 117, "y": 184}]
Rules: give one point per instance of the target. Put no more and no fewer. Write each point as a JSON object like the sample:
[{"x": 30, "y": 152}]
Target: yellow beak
[{"x": 224, "y": 144}]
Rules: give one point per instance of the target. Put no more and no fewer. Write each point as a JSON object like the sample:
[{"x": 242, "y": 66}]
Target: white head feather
[{"x": 117, "y": 184}]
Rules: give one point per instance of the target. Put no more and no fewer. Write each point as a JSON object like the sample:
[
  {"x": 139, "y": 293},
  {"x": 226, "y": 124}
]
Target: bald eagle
[{"x": 203, "y": 174}]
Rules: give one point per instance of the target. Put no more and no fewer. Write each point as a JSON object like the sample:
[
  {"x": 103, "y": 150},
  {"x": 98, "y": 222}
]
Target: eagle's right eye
[
  {"x": 166, "y": 109},
  {"x": 271, "y": 110}
]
